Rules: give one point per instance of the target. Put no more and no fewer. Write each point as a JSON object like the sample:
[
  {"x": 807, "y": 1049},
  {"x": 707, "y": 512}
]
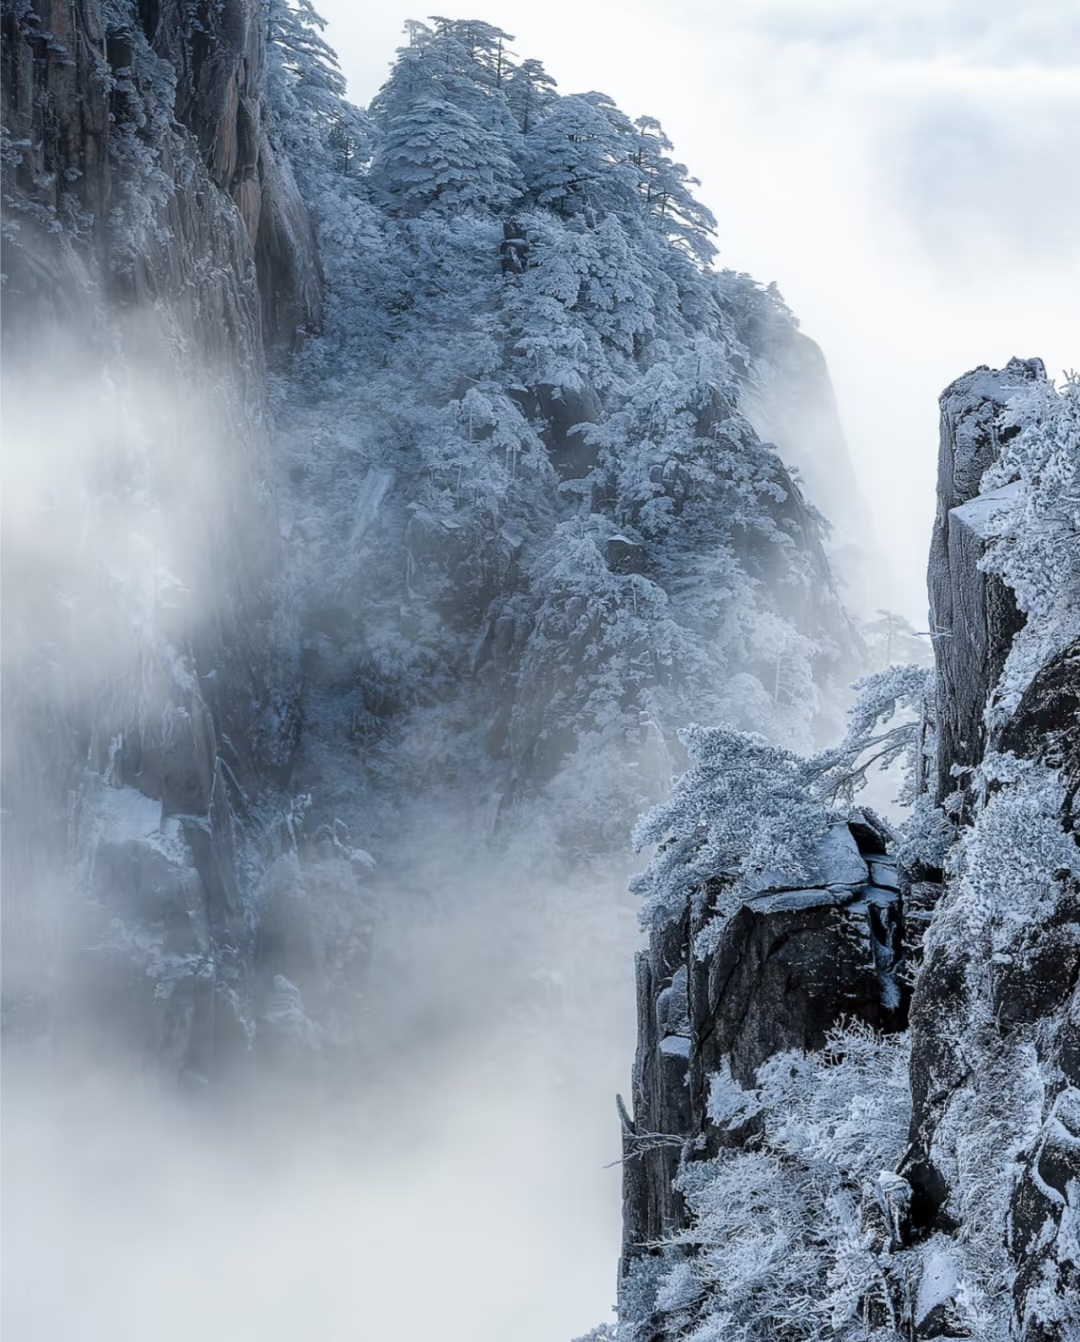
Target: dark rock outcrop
[
  {"x": 973, "y": 615},
  {"x": 564, "y": 410},
  {"x": 785, "y": 968},
  {"x": 153, "y": 238}
]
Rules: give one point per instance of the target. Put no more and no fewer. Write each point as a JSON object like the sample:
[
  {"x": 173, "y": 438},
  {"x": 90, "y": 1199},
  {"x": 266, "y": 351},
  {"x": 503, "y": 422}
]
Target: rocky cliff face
[
  {"x": 137, "y": 155},
  {"x": 788, "y": 396},
  {"x": 995, "y": 1020},
  {"x": 790, "y": 965},
  {"x": 969, "y": 1229},
  {"x": 973, "y": 615},
  {"x": 155, "y": 246}
]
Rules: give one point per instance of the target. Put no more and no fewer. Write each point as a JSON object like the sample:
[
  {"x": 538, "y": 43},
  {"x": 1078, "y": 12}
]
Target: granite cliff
[
  {"x": 422, "y": 504},
  {"x": 966, "y": 1231},
  {"x": 155, "y": 250}
]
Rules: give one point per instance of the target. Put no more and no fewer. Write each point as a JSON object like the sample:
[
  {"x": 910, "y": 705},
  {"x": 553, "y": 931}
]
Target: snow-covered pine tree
[
  {"x": 306, "y": 89},
  {"x": 529, "y": 91},
  {"x": 437, "y": 154},
  {"x": 577, "y": 159},
  {"x": 666, "y": 185},
  {"x": 485, "y": 46},
  {"x": 598, "y": 546}
]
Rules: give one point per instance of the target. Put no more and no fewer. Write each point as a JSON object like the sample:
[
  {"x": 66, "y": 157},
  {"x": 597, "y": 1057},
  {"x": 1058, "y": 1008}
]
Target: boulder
[{"x": 564, "y": 407}]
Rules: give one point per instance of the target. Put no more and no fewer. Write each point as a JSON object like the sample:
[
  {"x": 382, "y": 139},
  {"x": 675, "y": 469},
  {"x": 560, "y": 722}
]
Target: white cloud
[{"x": 984, "y": 33}]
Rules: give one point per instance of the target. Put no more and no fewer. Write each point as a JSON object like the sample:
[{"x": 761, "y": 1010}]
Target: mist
[
  {"x": 461, "y": 1180},
  {"x": 317, "y": 1000},
  {"x": 463, "y": 1151}
]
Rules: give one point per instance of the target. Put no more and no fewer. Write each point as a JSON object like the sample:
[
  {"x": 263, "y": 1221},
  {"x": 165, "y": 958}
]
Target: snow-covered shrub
[
  {"x": 778, "y": 1247},
  {"x": 1037, "y": 549},
  {"x": 604, "y": 1332},
  {"x": 742, "y": 806},
  {"x": 745, "y": 806},
  {"x": 891, "y": 723}
]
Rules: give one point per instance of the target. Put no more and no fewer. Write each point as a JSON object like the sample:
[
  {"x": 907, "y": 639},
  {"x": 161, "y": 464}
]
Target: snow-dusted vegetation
[
  {"x": 575, "y": 541},
  {"x": 841, "y": 1191},
  {"x": 396, "y": 539}
]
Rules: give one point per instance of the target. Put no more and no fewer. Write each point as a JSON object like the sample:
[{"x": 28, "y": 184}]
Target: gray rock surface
[
  {"x": 996, "y": 1006},
  {"x": 149, "y": 218},
  {"x": 788, "y": 966},
  {"x": 973, "y": 615},
  {"x": 178, "y": 198}
]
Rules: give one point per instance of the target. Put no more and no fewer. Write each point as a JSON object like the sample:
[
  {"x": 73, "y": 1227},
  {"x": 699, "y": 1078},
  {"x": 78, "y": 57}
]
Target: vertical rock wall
[
  {"x": 995, "y": 1019},
  {"x": 137, "y": 155},
  {"x": 155, "y": 247},
  {"x": 973, "y": 616}
]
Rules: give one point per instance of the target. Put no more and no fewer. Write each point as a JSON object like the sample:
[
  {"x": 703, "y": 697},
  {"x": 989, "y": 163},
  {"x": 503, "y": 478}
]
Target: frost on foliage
[
  {"x": 890, "y": 723},
  {"x": 1011, "y": 863},
  {"x": 925, "y": 837},
  {"x": 1008, "y": 876},
  {"x": 497, "y": 257},
  {"x": 746, "y": 809},
  {"x": 1035, "y": 534},
  {"x": 284, "y": 1011},
  {"x": 776, "y": 1245},
  {"x": 1038, "y": 550},
  {"x": 436, "y": 154},
  {"x": 309, "y": 115},
  {"x": 978, "y": 1144},
  {"x": 847, "y": 1106},
  {"x": 573, "y": 161},
  {"x": 742, "y": 806}
]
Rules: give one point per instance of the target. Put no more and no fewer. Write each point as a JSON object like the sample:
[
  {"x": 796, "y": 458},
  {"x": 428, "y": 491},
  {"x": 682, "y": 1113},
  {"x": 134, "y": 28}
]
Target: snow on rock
[
  {"x": 676, "y": 1045},
  {"x": 125, "y": 813},
  {"x": 983, "y": 514},
  {"x": 837, "y": 861},
  {"x": 782, "y": 901},
  {"x": 941, "y": 1271},
  {"x": 884, "y": 874}
]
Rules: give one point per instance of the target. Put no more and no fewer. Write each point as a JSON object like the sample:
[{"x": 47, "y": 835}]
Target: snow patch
[
  {"x": 675, "y": 1045},
  {"x": 940, "y": 1277},
  {"x": 985, "y": 514}
]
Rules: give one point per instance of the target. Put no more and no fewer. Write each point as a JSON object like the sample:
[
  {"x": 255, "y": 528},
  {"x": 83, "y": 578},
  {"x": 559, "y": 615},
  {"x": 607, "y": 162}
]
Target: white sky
[{"x": 908, "y": 171}]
